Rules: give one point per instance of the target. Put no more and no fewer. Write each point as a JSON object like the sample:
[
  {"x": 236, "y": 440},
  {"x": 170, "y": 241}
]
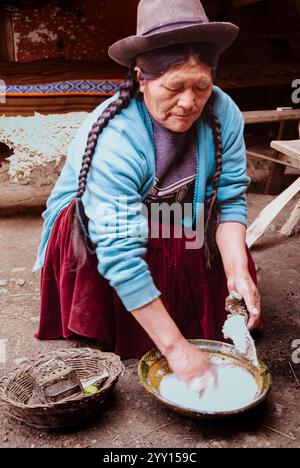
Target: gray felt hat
[{"x": 161, "y": 23}]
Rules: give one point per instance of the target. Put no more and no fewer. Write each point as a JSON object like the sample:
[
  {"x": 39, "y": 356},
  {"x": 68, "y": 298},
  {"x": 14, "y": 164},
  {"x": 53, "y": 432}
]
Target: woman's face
[{"x": 177, "y": 98}]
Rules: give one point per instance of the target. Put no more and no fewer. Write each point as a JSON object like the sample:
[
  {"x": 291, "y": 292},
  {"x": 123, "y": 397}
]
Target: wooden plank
[
  {"x": 274, "y": 183},
  {"x": 269, "y": 116},
  {"x": 288, "y": 152},
  {"x": 276, "y": 172},
  {"x": 240, "y": 75},
  {"x": 288, "y": 147},
  {"x": 49, "y": 105},
  {"x": 51, "y": 70},
  {"x": 259, "y": 226},
  {"x": 287, "y": 162},
  {"x": 7, "y": 48},
  {"x": 293, "y": 223},
  {"x": 239, "y": 3}
]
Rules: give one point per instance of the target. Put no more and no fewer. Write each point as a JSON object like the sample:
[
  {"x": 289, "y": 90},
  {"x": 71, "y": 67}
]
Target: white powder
[
  {"x": 236, "y": 389},
  {"x": 38, "y": 140},
  {"x": 236, "y": 330}
]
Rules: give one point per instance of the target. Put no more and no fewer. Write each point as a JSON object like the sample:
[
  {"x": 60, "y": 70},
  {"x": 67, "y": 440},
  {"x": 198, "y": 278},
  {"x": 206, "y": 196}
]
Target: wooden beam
[
  {"x": 7, "y": 47},
  {"x": 269, "y": 116},
  {"x": 283, "y": 162},
  {"x": 293, "y": 223},
  {"x": 239, "y": 3},
  {"x": 287, "y": 152},
  {"x": 259, "y": 226},
  {"x": 49, "y": 105},
  {"x": 276, "y": 173},
  {"x": 288, "y": 147}
]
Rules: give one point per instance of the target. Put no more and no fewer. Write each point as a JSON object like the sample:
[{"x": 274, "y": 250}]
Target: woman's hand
[
  {"x": 231, "y": 240},
  {"x": 191, "y": 366},
  {"x": 244, "y": 285}
]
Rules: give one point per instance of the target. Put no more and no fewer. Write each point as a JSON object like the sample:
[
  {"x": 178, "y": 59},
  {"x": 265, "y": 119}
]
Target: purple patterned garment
[{"x": 175, "y": 165}]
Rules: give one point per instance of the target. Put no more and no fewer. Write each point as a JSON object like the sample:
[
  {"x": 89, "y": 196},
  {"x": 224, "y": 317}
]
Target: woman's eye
[
  {"x": 203, "y": 87},
  {"x": 173, "y": 90}
]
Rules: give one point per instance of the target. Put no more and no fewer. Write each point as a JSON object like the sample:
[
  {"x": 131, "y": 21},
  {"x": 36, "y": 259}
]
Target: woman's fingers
[
  {"x": 200, "y": 384},
  {"x": 254, "y": 319},
  {"x": 245, "y": 286},
  {"x": 252, "y": 301}
]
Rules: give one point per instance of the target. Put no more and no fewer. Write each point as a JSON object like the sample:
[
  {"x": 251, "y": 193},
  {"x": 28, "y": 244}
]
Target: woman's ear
[{"x": 139, "y": 78}]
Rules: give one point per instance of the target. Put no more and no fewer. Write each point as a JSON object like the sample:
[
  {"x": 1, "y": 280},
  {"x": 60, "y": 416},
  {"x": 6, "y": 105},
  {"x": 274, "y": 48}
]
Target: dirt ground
[{"x": 131, "y": 417}]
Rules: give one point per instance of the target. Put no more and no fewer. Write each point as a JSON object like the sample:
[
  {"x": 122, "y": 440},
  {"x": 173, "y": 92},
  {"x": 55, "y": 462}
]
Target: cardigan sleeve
[
  {"x": 117, "y": 225},
  {"x": 234, "y": 181}
]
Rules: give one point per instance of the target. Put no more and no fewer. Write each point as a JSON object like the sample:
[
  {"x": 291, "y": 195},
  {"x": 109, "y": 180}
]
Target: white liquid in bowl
[{"x": 236, "y": 389}]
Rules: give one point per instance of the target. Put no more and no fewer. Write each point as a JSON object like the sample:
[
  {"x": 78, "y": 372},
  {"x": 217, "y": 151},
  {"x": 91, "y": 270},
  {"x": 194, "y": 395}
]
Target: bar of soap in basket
[
  {"x": 55, "y": 381},
  {"x": 94, "y": 384}
]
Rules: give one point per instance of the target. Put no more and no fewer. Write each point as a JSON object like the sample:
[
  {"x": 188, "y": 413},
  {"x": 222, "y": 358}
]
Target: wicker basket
[{"x": 17, "y": 387}]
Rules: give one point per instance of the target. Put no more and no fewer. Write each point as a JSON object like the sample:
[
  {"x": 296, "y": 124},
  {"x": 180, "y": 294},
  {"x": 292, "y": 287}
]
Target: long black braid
[
  {"x": 212, "y": 211},
  {"x": 128, "y": 89}
]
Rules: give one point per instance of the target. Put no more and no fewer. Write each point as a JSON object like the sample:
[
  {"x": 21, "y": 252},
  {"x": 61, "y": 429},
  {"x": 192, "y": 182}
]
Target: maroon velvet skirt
[{"x": 80, "y": 301}]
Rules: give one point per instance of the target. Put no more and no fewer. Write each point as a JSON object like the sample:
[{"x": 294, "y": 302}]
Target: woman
[{"x": 168, "y": 136}]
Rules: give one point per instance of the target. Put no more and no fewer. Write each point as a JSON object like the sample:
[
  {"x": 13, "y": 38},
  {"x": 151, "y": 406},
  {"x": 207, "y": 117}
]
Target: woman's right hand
[
  {"x": 185, "y": 360},
  {"x": 191, "y": 366}
]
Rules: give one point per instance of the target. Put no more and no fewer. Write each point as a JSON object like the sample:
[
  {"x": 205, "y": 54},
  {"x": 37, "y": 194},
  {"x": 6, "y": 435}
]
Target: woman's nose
[{"x": 187, "y": 100}]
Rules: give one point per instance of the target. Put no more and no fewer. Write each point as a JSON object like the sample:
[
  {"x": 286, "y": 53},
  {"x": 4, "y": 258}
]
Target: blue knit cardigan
[{"x": 123, "y": 168}]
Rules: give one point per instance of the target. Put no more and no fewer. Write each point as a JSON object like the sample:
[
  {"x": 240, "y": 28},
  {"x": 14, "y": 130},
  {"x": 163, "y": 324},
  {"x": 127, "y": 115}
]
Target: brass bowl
[{"x": 153, "y": 367}]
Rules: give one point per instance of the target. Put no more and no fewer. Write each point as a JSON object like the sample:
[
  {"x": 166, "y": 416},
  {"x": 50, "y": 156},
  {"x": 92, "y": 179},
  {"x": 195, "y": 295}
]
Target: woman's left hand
[{"x": 244, "y": 285}]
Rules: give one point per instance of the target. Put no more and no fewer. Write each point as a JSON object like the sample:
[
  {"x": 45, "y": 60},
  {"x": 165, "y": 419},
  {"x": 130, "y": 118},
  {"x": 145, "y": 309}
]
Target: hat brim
[{"x": 220, "y": 35}]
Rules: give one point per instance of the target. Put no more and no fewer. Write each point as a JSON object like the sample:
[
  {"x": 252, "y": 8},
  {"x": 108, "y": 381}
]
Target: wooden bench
[
  {"x": 280, "y": 160},
  {"x": 266, "y": 216},
  {"x": 289, "y": 152}
]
